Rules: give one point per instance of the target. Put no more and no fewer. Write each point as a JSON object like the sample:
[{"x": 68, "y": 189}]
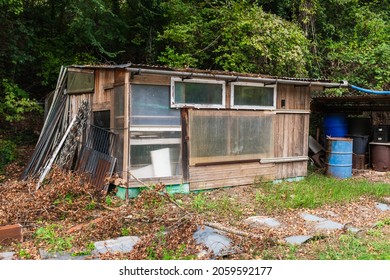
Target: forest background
[{"x": 332, "y": 39}]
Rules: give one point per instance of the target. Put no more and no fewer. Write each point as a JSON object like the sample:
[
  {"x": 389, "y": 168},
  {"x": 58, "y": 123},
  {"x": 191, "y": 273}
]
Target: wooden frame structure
[{"x": 174, "y": 144}]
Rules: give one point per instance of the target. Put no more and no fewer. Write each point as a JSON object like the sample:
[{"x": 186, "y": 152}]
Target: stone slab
[
  {"x": 354, "y": 230},
  {"x": 311, "y": 218},
  {"x": 382, "y": 206},
  {"x": 328, "y": 225},
  {"x": 6, "y": 255},
  {"x": 122, "y": 244},
  {"x": 263, "y": 221},
  {"x": 298, "y": 239},
  {"x": 45, "y": 255},
  {"x": 213, "y": 240}
]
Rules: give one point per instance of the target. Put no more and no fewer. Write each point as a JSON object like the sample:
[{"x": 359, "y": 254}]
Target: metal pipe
[{"x": 236, "y": 77}]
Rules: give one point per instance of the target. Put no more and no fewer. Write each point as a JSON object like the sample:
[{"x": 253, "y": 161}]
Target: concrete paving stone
[
  {"x": 45, "y": 255},
  {"x": 263, "y": 221},
  {"x": 122, "y": 244},
  {"x": 354, "y": 230},
  {"x": 6, "y": 255},
  {"x": 312, "y": 218},
  {"x": 328, "y": 225},
  {"x": 382, "y": 206},
  {"x": 298, "y": 239},
  {"x": 213, "y": 240}
]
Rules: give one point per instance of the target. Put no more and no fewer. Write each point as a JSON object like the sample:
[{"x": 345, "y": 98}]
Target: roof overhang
[
  {"x": 351, "y": 104},
  {"x": 188, "y": 73}
]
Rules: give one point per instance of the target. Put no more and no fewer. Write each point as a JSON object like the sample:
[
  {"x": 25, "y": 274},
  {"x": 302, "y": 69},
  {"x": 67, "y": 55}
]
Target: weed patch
[{"x": 315, "y": 191}]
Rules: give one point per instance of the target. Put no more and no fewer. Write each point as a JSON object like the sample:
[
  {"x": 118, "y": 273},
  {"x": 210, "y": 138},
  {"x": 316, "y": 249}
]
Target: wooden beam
[{"x": 284, "y": 159}]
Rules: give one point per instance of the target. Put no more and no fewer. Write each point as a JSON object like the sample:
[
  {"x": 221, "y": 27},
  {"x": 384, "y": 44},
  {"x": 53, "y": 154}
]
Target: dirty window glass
[
  {"x": 80, "y": 82},
  {"x": 155, "y": 153},
  {"x": 198, "y": 93},
  {"x": 253, "y": 96},
  {"x": 150, "y": 106},
  {"x": 229, "y": 136}
]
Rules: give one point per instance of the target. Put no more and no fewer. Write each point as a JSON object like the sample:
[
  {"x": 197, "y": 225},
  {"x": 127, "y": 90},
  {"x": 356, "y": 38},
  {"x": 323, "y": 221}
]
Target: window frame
[
  {"x": 229, "y": 157},
  {"x": 150, "y": 128},
  {"x": 252, "y": 107},
  {"x": 197, "y": 105},
  {"x": 85, "y": 90}
]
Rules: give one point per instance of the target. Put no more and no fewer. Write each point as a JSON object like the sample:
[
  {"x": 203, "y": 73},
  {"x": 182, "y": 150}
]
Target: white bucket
[{"x": 161, "y": 162}]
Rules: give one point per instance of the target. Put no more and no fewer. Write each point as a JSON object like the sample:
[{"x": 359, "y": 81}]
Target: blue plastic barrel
[
  {"x": 335, "y": 125},
  {"x": 339, "y": 157}
]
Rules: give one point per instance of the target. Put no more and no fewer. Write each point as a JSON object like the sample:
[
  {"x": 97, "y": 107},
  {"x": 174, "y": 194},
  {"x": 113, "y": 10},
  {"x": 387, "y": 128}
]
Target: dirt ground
[{"x": 78, "y": 213}]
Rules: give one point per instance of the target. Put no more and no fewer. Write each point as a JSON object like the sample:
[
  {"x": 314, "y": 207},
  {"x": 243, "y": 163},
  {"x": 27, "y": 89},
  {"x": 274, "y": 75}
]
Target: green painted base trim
[
  {"x": 294, "y": 179},
  {"x": 134, "y": 192},
  {"x": 181, "y": 188}
]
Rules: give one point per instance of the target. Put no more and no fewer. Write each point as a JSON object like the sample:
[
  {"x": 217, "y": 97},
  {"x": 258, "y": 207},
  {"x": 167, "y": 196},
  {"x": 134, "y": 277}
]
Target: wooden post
[{"x": 10, "y": 233}]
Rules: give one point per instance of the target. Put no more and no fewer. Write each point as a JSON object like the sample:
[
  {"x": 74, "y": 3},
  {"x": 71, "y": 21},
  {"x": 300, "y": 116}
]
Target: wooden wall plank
[
  {"x": 225, "y": 175},
  {"x": 297, "y": 97},
  {"x": 146, "y": 79},
  {"x": 291, "y": 169}
]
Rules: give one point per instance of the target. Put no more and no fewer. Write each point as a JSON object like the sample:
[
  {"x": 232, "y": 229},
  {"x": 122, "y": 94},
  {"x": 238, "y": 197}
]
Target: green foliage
[
  {"x": 339, "y": 40},
  {"x": 8, "y": 152},
  {"x": 125, "y": 231},
  {"x": 51, "y": 237},
  {"x": 91, "y": 205},
  {"x": 108, "y": 200},
  {"x": 351, "y": 247},
  {"x": 234, "y": 36},
  {"x": 15, "y": 102},
  {"x": 88, "y": 250},
  {"x": 225, "y": 205}
]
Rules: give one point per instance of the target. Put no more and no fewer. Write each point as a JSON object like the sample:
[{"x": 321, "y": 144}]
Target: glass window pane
[
  {"x": 80, "y": 82},
  {"x": 198, "y": 93},
  {"x": 102, "y": 119},
  {"x": 253, "y": 96},
  {"x": 150, "y": 105},
  {"x": 229, "y": 136},
  {"x": 155, "y": 154}
]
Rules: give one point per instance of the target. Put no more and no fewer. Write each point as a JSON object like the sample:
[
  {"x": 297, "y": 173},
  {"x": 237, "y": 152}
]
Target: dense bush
[{"x": 7, "y": 152}]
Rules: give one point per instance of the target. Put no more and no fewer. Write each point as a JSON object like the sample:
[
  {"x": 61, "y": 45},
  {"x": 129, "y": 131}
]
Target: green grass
[
  {"x": 350, "y": 247},
  {"x": 315, "y": 191},
  {"x": 225, "y": 205},
  {"x": 51, "y": 236}
]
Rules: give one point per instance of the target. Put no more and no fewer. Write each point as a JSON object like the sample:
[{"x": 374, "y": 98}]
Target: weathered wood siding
[
  {"x": 104, "y": 84},
  {"x": 296, "y": 97},
  {"x": 291, "y": 129},
  {"x": 146, "y": 79},
  {"x": 225, "y": 175},
  {"x": 176, "y": 180}
]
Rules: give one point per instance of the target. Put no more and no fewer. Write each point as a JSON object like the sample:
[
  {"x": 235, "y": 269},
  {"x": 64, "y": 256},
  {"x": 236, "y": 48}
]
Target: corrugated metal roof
[{"x": 193, "y": 70}]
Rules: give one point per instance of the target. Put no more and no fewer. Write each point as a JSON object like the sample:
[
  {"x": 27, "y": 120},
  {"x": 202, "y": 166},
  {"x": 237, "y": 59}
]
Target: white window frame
[
  {"x": 250, "y": 107},
  {"x": 196, "y": 105}
]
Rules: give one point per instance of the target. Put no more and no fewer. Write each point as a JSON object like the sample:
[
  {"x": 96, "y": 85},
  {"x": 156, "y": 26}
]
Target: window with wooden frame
[
  {"x": 253, "y": 96},
  {"x": 155, "y": 133},
  {"x": 80, "y": 81},
  {"x": 197, "y": 93},
  {"x": 228, "y": 136}
]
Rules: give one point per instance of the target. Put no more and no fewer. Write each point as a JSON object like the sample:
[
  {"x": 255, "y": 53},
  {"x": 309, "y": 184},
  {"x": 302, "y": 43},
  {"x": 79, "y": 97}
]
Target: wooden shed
[{"x": 200, "y": 129}]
